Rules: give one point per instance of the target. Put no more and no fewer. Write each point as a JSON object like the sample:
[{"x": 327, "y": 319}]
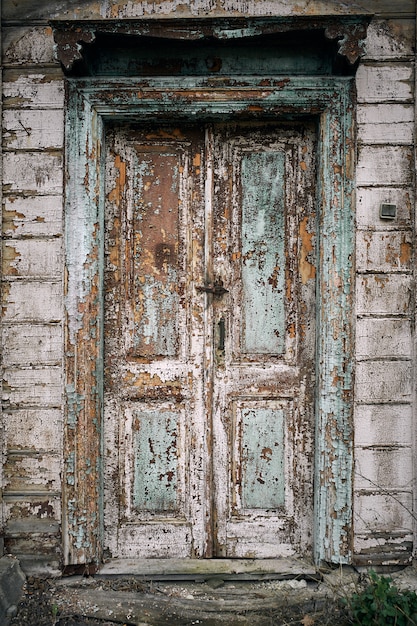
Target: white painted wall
[
  {"x": 384, "y": 407},
  {"x": 33, "y": 97}
]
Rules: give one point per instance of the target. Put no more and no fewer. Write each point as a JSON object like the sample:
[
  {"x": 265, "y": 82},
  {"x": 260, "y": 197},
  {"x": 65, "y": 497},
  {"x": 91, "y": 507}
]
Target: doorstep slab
[{"x": 202, "y": 569}]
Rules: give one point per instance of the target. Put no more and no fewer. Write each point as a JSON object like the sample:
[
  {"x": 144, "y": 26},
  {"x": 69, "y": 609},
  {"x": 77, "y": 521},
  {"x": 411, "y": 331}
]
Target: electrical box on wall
[{"x": 388, "y": 211}]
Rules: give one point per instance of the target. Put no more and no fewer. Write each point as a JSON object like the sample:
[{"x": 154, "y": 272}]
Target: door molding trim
[{"x": 91, "y": 103}]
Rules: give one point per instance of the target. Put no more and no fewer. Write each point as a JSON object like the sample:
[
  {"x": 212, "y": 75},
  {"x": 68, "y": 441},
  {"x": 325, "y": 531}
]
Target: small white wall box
[{"x": 388, "y": 211}]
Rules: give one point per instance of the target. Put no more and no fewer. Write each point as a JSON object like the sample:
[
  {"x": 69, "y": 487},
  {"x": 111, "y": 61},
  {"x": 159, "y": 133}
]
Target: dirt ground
[
  {"x": 318, "y": 600},
  {"x": 77, "y": 601}
]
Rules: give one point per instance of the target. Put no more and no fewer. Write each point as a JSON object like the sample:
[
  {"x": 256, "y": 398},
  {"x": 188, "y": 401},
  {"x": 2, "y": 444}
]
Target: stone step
[
  {"x": 12, "y": 580},
  {"x": 202, "y": 569}
]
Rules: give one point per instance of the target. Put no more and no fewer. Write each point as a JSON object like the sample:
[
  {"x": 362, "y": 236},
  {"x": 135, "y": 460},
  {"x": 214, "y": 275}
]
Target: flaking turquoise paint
[
  {"x": 91, "y": 103},
  {"x": 334, "y": 434},
  {"x": 263, "y": 256},
  {"x": 70, "y": 469},
  {"x": 155, "y": 473},
  {"x": 82, "y": 493},
  {"x": 74, "y": 403},
  {"x": 263, "y": 453}
]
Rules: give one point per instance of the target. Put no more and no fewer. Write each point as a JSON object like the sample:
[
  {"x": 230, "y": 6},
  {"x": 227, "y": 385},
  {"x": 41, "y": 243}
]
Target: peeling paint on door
[
  {"x": 263, "y": 243},
  {"x": 208, "y": 336},
  {"x": 263, "y": 389},
  {"x": 169, "y": 465},
  {"x": 154, "y": 442}
]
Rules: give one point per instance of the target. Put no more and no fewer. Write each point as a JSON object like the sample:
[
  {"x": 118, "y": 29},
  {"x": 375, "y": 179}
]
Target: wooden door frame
[{"x": 91, "y": 103}]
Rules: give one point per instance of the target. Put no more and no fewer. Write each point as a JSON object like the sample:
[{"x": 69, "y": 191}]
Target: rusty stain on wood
[
  {"x": 116, "y": 193},
  {"x": 307, "y": 269},
  {"x": 406, "y": 250},
  {"x": 9, "y": 257}
]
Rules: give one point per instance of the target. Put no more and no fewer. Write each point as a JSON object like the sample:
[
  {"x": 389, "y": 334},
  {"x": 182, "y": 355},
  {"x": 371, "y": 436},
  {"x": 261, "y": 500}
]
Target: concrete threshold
[
  {"x": 213, "y": 602},
  {"x": 199, "y": 570}
]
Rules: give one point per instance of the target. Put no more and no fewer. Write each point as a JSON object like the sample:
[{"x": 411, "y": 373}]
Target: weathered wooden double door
[{"x": 209, "y": 280}]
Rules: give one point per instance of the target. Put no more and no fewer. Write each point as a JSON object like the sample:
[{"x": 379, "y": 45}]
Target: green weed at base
[{"x": 379, "y": 603}]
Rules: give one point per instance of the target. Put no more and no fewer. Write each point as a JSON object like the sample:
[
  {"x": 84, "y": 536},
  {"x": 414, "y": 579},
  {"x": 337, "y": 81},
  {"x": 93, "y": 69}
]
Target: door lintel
[{"x": 349, "y": 31}]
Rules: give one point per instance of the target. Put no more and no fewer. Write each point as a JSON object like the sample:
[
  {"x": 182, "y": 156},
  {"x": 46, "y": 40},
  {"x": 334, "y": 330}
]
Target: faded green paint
[
  {"x": 263, "y": 255},
  {"x": 70, "y": 469},
  {"x": 74, "y": 403},
  {"x": 82, "y": 493},
  {"x": 263, "y": 454},
  {"x": 334, "y": 432},
  {"x": 155, "y": 473},
  {"x": 92, "y": 103}
]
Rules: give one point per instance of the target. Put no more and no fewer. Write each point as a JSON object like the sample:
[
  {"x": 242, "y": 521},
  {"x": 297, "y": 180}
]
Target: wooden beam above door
[{"x": 74, "y": 38}]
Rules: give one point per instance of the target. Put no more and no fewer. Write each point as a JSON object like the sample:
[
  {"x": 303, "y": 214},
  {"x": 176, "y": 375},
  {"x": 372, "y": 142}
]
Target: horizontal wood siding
[
  {"x": 383, "y": 482},
  {"x": 32, "y": 288}
]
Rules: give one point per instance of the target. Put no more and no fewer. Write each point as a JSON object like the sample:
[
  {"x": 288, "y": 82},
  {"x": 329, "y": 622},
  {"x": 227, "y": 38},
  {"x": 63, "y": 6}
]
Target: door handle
[
  {"x": 217, "y": 289},
  {"x": 222, "y": 334}
]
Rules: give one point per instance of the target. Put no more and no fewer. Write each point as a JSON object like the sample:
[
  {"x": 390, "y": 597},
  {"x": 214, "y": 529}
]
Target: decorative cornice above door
[{"x": 348, "y": 33}]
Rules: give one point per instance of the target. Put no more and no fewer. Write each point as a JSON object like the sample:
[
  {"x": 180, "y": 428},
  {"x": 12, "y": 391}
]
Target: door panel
[
  {"x": 154, "y": 253},
  {"x": 209, "y": 341},
  {"x": 155, "y": 440},
  {"x": 262, "y": 252},
  {"x": 263, "y": 381},
  {"x": 258, "y": 457}
]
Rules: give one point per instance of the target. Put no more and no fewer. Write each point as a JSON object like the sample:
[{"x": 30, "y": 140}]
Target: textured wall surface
[{"x": 384, "y": 419}]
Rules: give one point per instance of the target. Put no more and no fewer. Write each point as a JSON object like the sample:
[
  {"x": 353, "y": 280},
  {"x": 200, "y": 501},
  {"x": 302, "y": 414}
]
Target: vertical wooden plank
[
  {"x": 153, "y": 381},
  {"x": 334, "y": 441},
  {"x": 2, "y": 430},
  {"x": 263, "y": 260},
  {"x": 82, "y": 492}
]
